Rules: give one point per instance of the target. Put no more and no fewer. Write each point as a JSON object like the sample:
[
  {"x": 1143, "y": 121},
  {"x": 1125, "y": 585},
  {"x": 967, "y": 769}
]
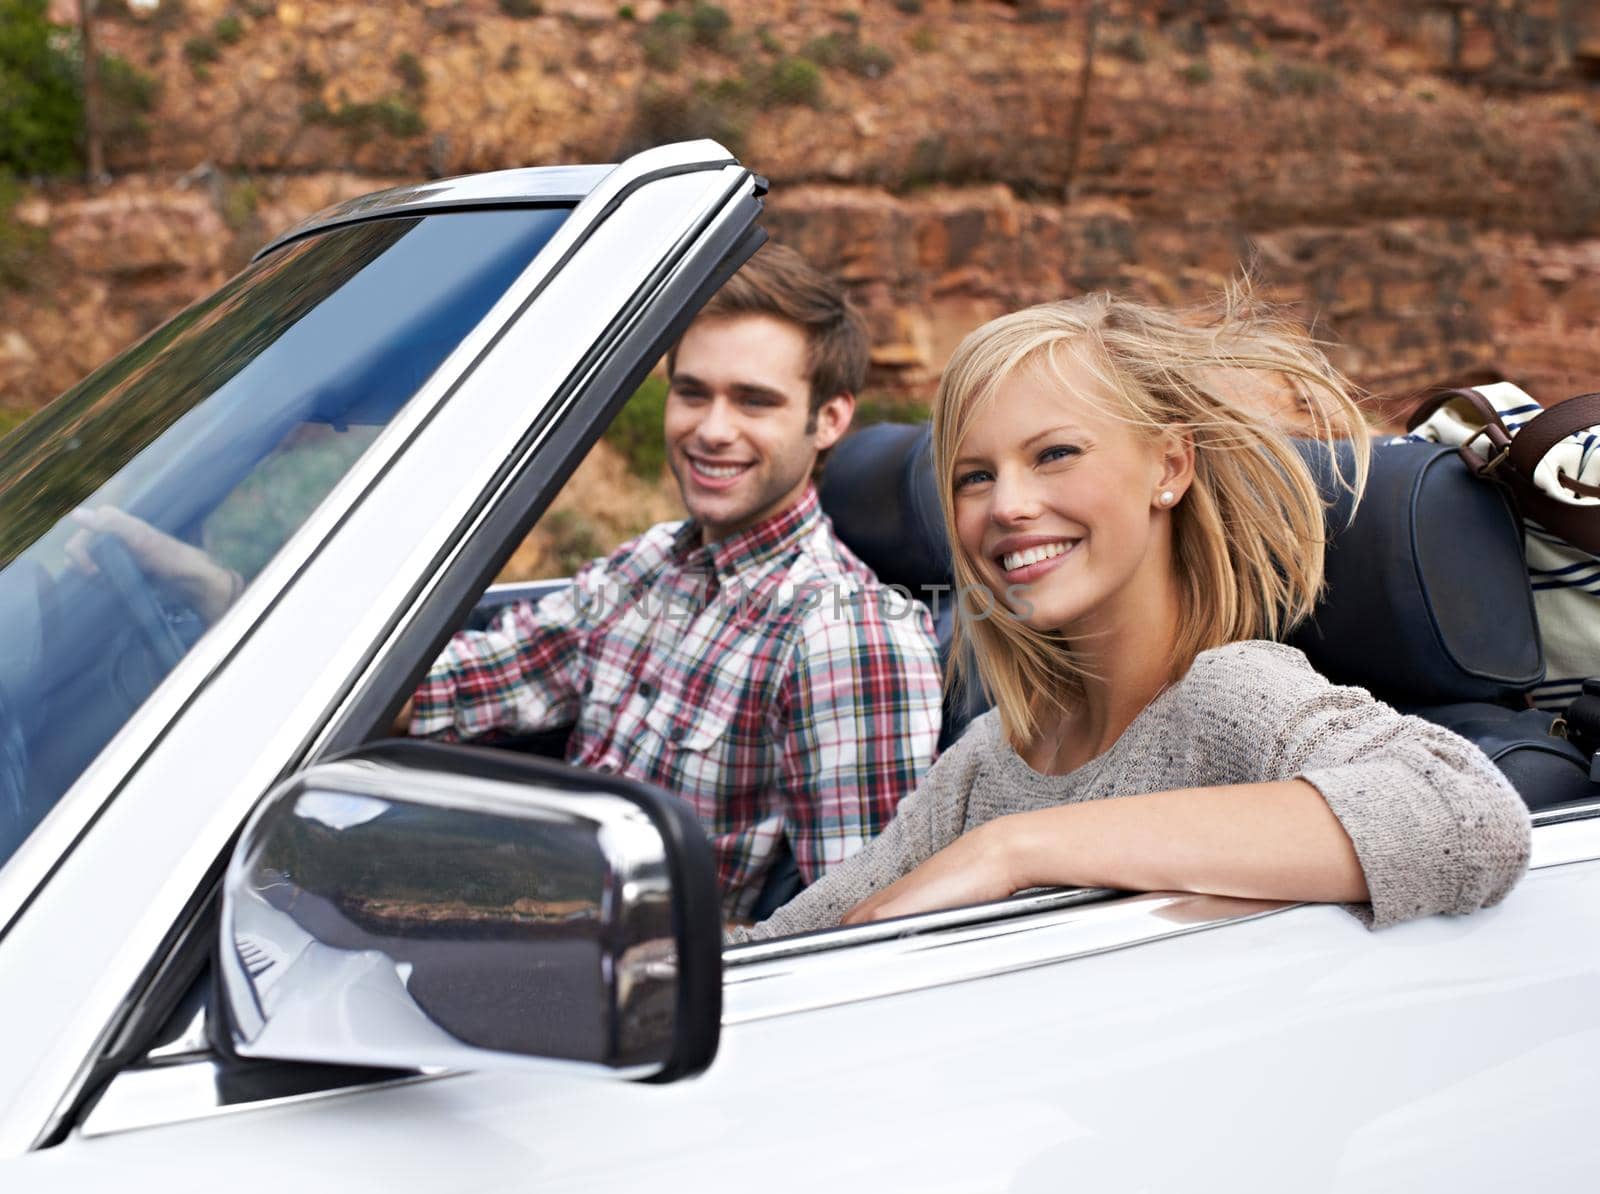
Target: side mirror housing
[{"x": 413, "y": 905}]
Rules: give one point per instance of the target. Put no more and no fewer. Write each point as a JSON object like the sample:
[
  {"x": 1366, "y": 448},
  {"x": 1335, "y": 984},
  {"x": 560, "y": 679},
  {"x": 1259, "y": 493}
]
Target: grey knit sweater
[{"x": 1436, "y": 826}]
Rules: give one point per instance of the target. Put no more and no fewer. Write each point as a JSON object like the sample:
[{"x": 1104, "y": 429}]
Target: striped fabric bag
[{"x": 1549, "y": 462}]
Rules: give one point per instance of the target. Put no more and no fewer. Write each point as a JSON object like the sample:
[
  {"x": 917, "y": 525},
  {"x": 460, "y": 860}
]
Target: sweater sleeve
[
  {"x": 1435, "y": 825},
  {"x": 926, "y": 822}
]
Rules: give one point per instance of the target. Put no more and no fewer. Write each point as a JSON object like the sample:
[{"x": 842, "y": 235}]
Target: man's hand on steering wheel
[{"x": 204, "y": 584}]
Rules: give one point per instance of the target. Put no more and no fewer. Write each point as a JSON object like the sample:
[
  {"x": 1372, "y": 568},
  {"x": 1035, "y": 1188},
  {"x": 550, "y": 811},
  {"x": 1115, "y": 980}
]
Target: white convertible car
[{"x": 247, "y": 946}]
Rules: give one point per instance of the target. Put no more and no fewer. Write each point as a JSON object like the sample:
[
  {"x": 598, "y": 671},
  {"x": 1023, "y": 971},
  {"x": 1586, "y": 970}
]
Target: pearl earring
[{"x": 1166, "y": 497}]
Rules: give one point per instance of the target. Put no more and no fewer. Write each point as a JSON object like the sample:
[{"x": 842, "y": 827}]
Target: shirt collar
[{"x": 754, "y": 545}]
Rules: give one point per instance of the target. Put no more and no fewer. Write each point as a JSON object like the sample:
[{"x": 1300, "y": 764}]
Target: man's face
[{"x": 740, "y": 439}]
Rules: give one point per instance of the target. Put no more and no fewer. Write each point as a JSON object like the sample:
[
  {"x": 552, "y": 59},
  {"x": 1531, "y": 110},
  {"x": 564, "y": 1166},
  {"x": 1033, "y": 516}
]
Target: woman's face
[{"x": 1059, "y": 505}]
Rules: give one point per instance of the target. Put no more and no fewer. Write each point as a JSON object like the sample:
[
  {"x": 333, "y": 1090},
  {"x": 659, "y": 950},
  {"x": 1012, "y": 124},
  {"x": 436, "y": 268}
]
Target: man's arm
[
  {"x": 859, "y": 719},
  {"x": 205, "y": 584},
  {"x": 521, "y": 674}
]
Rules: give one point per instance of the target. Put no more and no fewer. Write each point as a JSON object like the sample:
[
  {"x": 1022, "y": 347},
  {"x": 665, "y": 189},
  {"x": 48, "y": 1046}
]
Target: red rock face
[{"x": 1422, "y": 182}]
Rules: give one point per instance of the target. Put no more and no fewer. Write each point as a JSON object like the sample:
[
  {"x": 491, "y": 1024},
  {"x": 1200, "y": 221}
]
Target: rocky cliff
[{"x": 1421, "y": 180}]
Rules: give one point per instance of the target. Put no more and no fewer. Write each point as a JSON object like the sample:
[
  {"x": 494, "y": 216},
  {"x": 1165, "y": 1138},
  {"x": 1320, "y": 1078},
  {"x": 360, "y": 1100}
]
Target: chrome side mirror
[{"x": 415, "y": 905}]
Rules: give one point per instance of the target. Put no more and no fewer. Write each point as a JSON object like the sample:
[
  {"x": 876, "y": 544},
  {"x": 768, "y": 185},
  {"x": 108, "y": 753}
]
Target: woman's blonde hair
[{"x": 1248, "y": 536}]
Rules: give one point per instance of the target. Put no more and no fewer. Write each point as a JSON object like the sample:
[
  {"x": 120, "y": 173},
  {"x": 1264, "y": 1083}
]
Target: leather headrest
[{"x": 879, "y": 490}]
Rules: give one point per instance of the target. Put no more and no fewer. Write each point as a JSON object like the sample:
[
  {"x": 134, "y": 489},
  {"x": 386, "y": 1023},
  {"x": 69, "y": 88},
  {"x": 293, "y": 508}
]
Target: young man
[{"x": 743, "y": 659}]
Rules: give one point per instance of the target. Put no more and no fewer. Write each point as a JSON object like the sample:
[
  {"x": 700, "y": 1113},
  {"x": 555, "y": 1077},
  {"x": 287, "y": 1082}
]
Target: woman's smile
[{"x": 1023, "y": 559}]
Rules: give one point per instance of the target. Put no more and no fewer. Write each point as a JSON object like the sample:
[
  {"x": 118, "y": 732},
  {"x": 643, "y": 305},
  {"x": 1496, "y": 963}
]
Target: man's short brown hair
[{"x": 779, "y": 282}]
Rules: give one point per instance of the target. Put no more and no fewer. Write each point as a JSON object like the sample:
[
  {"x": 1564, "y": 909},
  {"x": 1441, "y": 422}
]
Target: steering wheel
[{"x": 137, "y": 596}]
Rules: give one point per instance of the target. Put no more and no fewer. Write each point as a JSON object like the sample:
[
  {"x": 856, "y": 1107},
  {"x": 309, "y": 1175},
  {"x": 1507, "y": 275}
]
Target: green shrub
[
  {"x": 1130, "y": 47},
  {"x": 20, "y": 244},
  {"x": 871, "y": 62},
  {"x": 1196, "y": 73},
  {"x": 880, "y": 408},
  {"x": 848, "y": 52},
  {"x": 127, "y": 96},
  {"x": 1292, "y": 78},
  {"x": 626, "y": 13},
  {"x": 709, "y": 25},
  {"x": 395, "y": 115},
  {"x": 924, "y": 40},
  {"x": 41, "y": 93},
  {"x": 961, "y": 159},
  {"x": 228, "y": 30},
  {"x": 41, "y": 105},
  {"x": 828, "y": 51},
  {"x": 768, "y": 40},
  {"x": 410, "y": 71},
  {"x": 573, "y": 540},
  {"x": 201, "y": 51},
  {"x": 240, "y": 198},
  {"x": 636, "y": 431},
  {"x": 1305, "y": 78},
  {"x": 664, "y": 39},
  {"x": 521, "y": 9},
  {"x": 795, "y": 81},
  {"x": 662, "y": 113},
  {"x": 909, "y": 7}
]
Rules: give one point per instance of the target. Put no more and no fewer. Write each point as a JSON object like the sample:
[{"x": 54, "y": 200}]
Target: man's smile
[{"x": 716, "y": 474}]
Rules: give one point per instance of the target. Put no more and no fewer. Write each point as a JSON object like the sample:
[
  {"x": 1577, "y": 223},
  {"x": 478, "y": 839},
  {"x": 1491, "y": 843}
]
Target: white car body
[{"x": 1140, "y": 1043}]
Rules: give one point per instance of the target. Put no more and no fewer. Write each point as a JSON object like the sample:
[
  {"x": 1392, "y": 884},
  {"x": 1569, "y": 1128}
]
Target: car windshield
[{"x": 203, "y": 448}]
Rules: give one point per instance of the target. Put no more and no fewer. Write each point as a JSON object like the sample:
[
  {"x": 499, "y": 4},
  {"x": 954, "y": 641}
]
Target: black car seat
[
  {"x": 1427, "y": 603},
  {"x": 880, "y": 493}
]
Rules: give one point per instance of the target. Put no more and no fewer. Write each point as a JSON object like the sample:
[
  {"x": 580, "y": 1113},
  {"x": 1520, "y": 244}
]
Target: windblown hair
[
  {"x": 1248, "y": 536},
  {"x": 779, "y": 282}
]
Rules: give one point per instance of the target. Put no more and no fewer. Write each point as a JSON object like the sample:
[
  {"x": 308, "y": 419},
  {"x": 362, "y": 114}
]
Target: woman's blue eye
[
  {"x": 976, "y": 477},
  {"x": 1059, "y": 452}
]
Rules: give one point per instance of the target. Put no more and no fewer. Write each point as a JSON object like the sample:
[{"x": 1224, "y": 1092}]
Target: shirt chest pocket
[{"x": 696, "y": 725}]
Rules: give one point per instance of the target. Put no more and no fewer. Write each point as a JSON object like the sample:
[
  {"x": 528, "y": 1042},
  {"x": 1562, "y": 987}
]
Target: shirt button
[
  {"x": 647, "y": 690},
  {"x": 679, "y": 733}
]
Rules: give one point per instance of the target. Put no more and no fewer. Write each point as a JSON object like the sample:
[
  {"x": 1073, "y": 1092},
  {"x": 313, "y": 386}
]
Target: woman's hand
[{"x": 973, "y": 869}]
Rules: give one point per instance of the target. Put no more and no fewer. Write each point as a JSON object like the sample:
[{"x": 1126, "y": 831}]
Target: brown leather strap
[
  {"x": 1494, "y": 431},
  {"x": 1578, "y": 525},
  {"x": 1548, "y": 428},
  {"x": 1573, "y": 485},
  {"x": 1484, "y": 408}
]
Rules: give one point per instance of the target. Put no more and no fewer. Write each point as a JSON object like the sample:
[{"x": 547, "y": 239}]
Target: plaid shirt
[{"x": 768, "y": 679}]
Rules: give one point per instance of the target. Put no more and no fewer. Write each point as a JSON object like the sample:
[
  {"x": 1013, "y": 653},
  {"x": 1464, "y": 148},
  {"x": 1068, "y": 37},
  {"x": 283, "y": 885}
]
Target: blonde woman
[{"x": 1144, "y": 534}]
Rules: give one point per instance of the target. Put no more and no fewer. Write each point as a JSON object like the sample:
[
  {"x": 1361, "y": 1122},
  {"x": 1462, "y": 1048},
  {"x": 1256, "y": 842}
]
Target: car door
[
  {"x": 1156, "y": 1042},
  {"x": 106, "y": 904}
]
